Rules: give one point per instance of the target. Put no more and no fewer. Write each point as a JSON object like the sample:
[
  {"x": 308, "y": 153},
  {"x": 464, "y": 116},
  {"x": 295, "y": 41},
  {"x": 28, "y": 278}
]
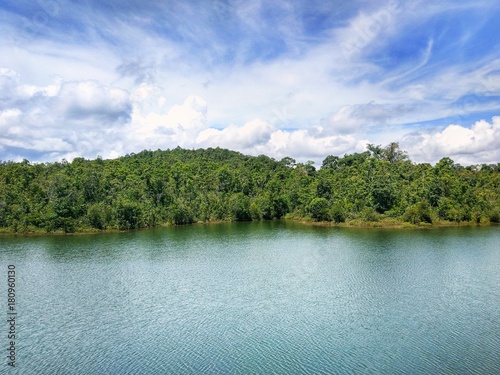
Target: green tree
[
  {"x": 239, "y": 207},
  {"x": 318, "y": 209},
  {"x": 418, "y": 212}
]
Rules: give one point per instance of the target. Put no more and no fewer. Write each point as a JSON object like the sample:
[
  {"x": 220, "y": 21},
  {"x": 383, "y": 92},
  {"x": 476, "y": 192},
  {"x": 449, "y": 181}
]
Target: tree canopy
[{"x": 181, "y": 186}]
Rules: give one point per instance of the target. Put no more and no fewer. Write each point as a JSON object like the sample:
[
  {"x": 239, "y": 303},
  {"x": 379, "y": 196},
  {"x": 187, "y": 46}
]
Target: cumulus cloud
[
  {"x": 248, "y": 136},
  {"x": 478, "y": 144},
  {"x": 179, "y": 126},
  {"x": 260, "y": 137},
  {"x": 86, "y": 118},
  {"x": 187, "y": 125},
  {"x": 89, "y": 99},
  {"x": 13, "y": 93},
  {"x": 70, "y": 100},
  {"x": 304, "y": 144},
  {"x": 365, "y": 68},
  {"x": 61, "y": 119}
]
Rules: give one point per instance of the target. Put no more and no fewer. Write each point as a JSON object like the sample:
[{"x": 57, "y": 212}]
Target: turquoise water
[{"x": 256, "y": 298}]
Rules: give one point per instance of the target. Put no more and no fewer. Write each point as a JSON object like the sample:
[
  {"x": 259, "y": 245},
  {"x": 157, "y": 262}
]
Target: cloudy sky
[{"x": 300, "y": 78}]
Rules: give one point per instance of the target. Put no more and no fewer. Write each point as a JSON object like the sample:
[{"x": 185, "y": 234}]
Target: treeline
[{"x": 181, "y": 186}]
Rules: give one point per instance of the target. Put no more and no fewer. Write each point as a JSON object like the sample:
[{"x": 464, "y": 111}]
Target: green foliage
[
  {"x": 239, "y": 207},
  {"x": 181, "y": 214},
  {"x": 338, "y": 213},
  {"x": 318, "y": 209},
  {"x": 128, "y": 215},
  {"x": 369, "y": 214},
  {"x": 330, "y": 162},
  {"x": 495, "y": 216},
  {"x": 184, "y": 186},
  {"x": 418, "y": 213},
  {"x": 288, "y": 161},
  {"x": 390, "y": 153},
  {"x": 383, "y": 194},
  {"x": 324, "y": 189},
  {"x": 448, "y": 210},
  {"x": 96, "y": 214}
]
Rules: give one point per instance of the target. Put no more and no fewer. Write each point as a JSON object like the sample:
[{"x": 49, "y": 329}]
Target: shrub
[
  {"x": 337, "y": 213},
  {"x": 318, "y": 209},
  {"x": 369, "y": 214},
  {"x": 417, "y": 213}
]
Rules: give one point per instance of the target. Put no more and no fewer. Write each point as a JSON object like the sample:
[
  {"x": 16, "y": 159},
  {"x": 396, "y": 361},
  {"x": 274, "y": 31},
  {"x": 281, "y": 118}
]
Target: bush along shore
[{"x": 379, "y": 187}]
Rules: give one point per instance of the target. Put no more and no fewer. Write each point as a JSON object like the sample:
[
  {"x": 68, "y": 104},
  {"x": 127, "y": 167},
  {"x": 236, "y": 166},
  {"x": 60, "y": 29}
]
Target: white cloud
[
  {"x": 246, "y": 137},
  {"x": 87, "y": 118},
  {"x": 364, "y": 30},
  {"x": 186, "y": 125},
  {"x": 8, "y": 116},
  {"x": 87, "y": 99},
  {"x": 9, "y": 80},
  {"x": 46, "y": 144},
  {"x": 178, "y": 127},
  {"x": 478, "y": 144},
  {"x": 360, "y": 119},
  {"x": 14, "y": 92},
  {"x": 259, "y": 137},
  {"x": 304, "y": 145},
  {"x": 61, "y": 119},
  {"x": 319, "y": 79}
]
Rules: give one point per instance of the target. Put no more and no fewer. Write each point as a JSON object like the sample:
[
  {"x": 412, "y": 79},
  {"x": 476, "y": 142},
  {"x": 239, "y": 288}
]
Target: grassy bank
[{"x": 392, "y": 223}]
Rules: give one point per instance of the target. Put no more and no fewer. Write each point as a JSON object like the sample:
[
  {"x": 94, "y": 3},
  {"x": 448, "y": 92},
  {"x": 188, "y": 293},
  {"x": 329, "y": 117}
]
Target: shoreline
[
  {"x": 394, "y": 224},
  {"x": 388, "y": 224}
]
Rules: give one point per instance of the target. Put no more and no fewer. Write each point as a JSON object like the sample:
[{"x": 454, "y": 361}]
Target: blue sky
[{"x": 304, "y": 79}]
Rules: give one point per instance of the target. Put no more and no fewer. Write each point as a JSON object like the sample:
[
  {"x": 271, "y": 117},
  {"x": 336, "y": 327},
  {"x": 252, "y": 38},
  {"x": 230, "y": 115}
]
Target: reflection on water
[{"x": 270, "y": 297}]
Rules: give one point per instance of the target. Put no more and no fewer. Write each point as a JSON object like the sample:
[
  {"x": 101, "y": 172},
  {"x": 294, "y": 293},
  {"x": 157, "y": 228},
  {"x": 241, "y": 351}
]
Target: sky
[{"x": 303, "y": 78}]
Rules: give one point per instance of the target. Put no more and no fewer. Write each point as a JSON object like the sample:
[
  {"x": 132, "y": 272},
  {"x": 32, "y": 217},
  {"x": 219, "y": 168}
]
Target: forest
[{"x": 378, "y": 187}]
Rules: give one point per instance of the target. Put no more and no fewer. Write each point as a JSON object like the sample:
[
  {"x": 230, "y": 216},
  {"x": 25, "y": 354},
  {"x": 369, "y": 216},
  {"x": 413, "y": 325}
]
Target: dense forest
[{"x": 151, "y": 188}]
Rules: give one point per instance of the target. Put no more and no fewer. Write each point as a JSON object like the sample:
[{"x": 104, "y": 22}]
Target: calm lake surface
[{"x": 256, "y": 298}]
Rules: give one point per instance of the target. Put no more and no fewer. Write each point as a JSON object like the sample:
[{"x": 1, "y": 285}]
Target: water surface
[{"x": 257, "y": 298}]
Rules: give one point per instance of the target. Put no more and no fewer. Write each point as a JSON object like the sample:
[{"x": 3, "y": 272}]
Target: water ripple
[{"x": 273, "y": 302}]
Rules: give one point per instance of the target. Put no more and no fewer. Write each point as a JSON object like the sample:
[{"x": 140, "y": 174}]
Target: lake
[{"x": 256, "y": 298}]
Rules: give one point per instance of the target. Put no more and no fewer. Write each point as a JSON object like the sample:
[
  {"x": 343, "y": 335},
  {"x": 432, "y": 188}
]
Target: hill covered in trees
[{"x": 181, "y": 186}]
